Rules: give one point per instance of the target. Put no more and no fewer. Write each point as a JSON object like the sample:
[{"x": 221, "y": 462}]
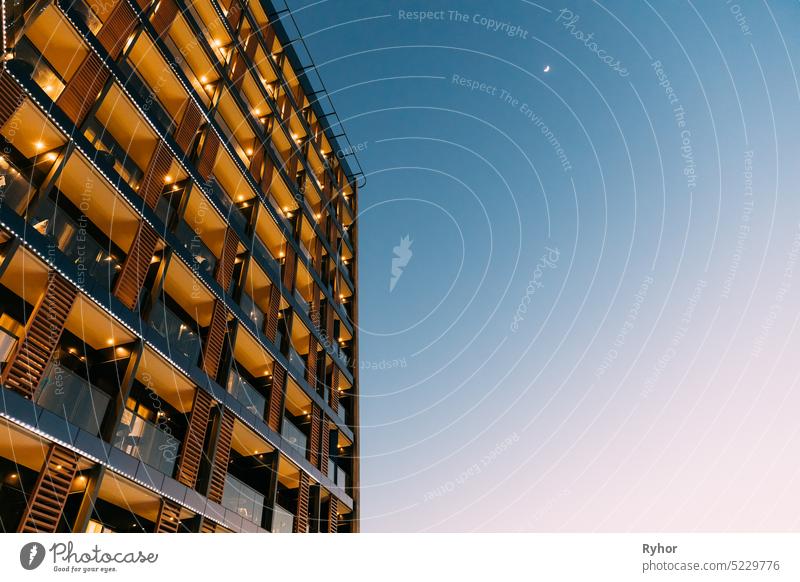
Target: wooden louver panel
[
  {"x": 276, "y": 397},
  {"x": 192, "y": 452},
  {"x": 222, "y": 453},
  {"x": 187, "y": 128},
  {"x": 11, "y": 97},
  {"x": 206, "y": 163},
  {"x": 289, "y": 266},
  {"x": 271, "y": 324},
  {"x": 224, "y": 272},
  {"x": 169, "y": 516},
  {"x": 116, "y": 29},
  {"x": 234, "y": 14},
  {"x": 34, "y": 350},
  {"x": 131, "y": 278},
  {"x": 164, "y": 16},
  {"x": 215, "y": 339},
  {"x": 46, "y": 502},
  {"x": 324, "y": 445},
  {"x": 313, "y": 445},
  {"x": 156, "y": 174},
  {"x": 82, "y": 90},
  {"x": 334, "y": 393},
  {"x": 333, "y": 515},
  {"x": 208, "y": 526},
  {"x": 311, "y": 366},
  {"x": 301, "y": 521}
]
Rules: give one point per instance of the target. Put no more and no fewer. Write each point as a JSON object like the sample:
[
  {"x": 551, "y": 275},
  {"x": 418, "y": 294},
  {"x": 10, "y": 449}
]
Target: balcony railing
[
  {"x": 282, "y": 520},
  {"x": 342, "y": 413},
  {"x": 15, "y": 189},
  {"x": 261, "y": 251},
  {"x": 301, "y": 300},
  {"x": 204, "y": 259},
  {"x": 146, "y": 441},
  {"x": 246, "y": 394},
  {"x": 180, "y": 335},
  {"x": 65, "y": 393},
  {"x": 253, "y": 311},
  {"x": 297, "y": 363},
  {"x": 41, "y": 71},
  {"x": 243, "y": 499},
  {"x": 279, "y": 210},
  {"x": 294, "y": 436}
]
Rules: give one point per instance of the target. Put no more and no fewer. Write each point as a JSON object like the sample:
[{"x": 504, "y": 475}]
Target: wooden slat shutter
[
  {"x": 35, "y": 349},
  {"x": 163, "y": 18},
  {"x": 267, "y": 173},
  {"x": 334, "y": 393},
  {"x": 215, "y": 339},
  {"x": 169, "y": 516},
  {"x": 313, "y": 445},
  {"x": 131, "y": 278},
  {"x": 116, "y": 29},
  {"x": 257, "y": 162},
  {"x": 206, "y": 163},
  {"x": 333, "y": 515},
  {"x": 155, "y": 176},
  {"x": 234, "y": 14},
  {"x": 271, "y": 324},
  {"x": 224, "y": 273},
  {"x": 276, "y": 397},
  {"x": 46, "y": 502},
  {"x": 82, "y": 90},
  {"x": 289, "y": 266},
  {"x": 222, "y": 453},
  {"x": 11, "y": 97},
  {"x": 324, "y": 445},
  {"x": 192, "y": 452},
  {"x": 187, "y": 128},
  {"x": 301, "y": 521}
]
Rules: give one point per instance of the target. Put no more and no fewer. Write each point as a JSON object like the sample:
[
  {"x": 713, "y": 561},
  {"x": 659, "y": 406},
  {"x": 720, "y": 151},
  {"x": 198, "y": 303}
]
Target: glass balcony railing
[
  {"x": 341, "y": 478},
  {"x": 66, "y": 394},
  {"x": 41, "y": 71},
  {"x": 301, "y": 300},
  {"x": 146, "y": 98},
  {"x": 180, "y": 335},
  {"x": 253, "y": 311},
  {"x": 205, "y": 260},
  {"x": 15, "y": 189},
  {"x": 261, "y": 252},
  {"x": 243, "y": 499},
  {"x": 92, "y": 259},
  {"x": 149, "y": 443},
  {"x": 297, "y": 363},
  {"x": 294, "y": 436},
  {"x": 233, "y": 213},
  {"x": 282, "y": 520},
  {"x": 244, "y": 392},
  {"x": 304, "y": 250},
  {"x": 342, "y": 413},
  {"x": 278, "y": 210}
]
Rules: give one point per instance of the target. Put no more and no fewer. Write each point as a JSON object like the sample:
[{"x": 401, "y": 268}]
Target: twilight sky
[{"x": 595, "y": 327}]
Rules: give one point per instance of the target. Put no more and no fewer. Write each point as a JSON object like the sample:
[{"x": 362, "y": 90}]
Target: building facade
[{"x": 178, "y": 266}]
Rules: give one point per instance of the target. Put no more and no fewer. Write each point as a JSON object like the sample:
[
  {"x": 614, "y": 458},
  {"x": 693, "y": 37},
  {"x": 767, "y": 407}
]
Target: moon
[{"x": 547, "y": 68}]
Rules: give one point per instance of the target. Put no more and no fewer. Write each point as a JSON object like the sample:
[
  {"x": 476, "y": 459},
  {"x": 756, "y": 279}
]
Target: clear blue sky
[{"x": 595, "y": 328}]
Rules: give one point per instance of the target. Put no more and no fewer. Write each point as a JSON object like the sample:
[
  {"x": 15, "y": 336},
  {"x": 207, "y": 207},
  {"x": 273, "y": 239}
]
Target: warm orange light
[
  {"x": 168, "y": 179},
  {"x": 204, "y": 79},
  {"x": 39, "y": 145},
  {"x": 249, "y": 151},
  {"x": 110, "y": 341}
]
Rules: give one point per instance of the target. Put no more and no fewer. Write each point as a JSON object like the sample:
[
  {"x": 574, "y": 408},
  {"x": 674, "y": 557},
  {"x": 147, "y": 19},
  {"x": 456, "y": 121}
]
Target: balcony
[
  {"x": 146, "y": 441},
  {"x": 297, "y": 363},
  {"x": 302, "y": 301},
  {"x": 294, "y": 437},
  {"x": 146, "y": 98},
  {"x": 279, "y": 211},
  {"x": 241, "y": 389},
  {"x": 66, "y": 394},
  {"x": 243, "y": 499},
  {"x": 180, "y": 335},
  {"x": 282, "y": 520},
  {"x": 341, "y": 412},
  {"x": 261, "y": 252},
  {"x": 41, "y": 71},
  {"x": 205, "y": 260}
]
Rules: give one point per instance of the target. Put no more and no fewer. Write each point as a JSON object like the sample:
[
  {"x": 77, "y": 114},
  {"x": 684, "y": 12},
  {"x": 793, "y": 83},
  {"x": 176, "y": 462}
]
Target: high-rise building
[{"x": 178, "y": 266}]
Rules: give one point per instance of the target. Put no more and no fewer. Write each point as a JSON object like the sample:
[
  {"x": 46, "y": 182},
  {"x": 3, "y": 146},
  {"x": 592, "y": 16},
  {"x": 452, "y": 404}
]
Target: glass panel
[
  {"x": 341, "y": 412},
  {"x": 144, "y": 440},
  {"x": 301, "y": 300},
  {"x": 65, "y": 393},
  {"x": 341, "y": 478},
  {"x": 252, "y": 310},
  {"x": 296, "y": 363},
  {"x": 278, "y": 209},
  {"x": 294, "y": 436},
  {"x": 261, "y": 251},
  {"x": 282, "y": 520},
  {"x": 242, "y": 499},
  {"x": 14, "y": 186},
  {"x": 180, "y": 336},
  {"x": 246, "y": 394},
  {"x": 42, "y": 73},
  {"x": 204, "y": 259}
]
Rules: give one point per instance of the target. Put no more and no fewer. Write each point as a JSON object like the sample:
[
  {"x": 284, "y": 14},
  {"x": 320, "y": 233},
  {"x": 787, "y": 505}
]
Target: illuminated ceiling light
[
  {"x": 168, "y": 179},
  {"x": 110, "y": 341},
  {"x": 257, "y": 111},
  {"x": 204, "y": 79},
  {"x": 39, "y": 145},
  {"x": 217, "y": 43},
  {"x": 51, "y": 157},
  {"x": 249, "y": 151}
]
